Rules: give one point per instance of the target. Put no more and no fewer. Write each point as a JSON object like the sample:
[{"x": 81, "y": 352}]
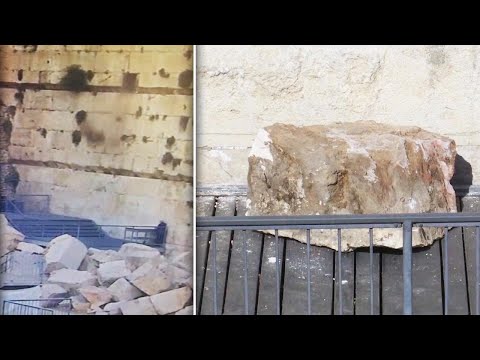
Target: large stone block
[
  {"x": 65, "y": 251},
  {"x": 351, "y": 168},
  {"x": 71, "y": 279},
  {"x": 141, "y": 306},
  {"x": 109, "y": 272},
  {"x": 122, "y": 290},
  {"x": 9, "y": 237}
]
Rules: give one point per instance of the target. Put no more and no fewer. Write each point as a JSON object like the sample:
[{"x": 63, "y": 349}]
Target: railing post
[{"x": 407, "y": 267}]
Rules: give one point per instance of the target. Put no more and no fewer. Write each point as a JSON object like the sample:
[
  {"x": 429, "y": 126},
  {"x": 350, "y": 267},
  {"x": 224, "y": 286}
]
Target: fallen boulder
[
  {"x": 122, "y": 290},
  {"x": 152, "y": 277},
  {"x": 71, "y": 279},
  {"x": 9, "y": 237},
  {"x": 30, "y": 248},
  {"x": 96, "y": 296},
  {"x": 109, "y": 272},
  {"x": 136, "y": 255},
  {"x": 64, "y": 251},
  {"x": 351, "y": 168}
]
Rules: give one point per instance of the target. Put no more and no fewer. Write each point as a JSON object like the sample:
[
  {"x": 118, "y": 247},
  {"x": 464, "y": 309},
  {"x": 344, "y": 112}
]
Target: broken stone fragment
[
  {"x": 80, "y": 304},
  {"x": 351, "y": 168},
  {"x": 64, "y": 251},
  {"x": 71, "y": 279},
  {"x": 30, "y": 248},
  {"x": 171, "y": 301},
  {"x": 137, "y": 254},
  {"x": 97, "y": 296},
  {"x": 9, "y": 237},
  {"x": 152, "y": 277},
  {"x": 54, "y": 292},
  {"x": 114, "y": 308},
  {"x": 103, "y": 256},
  {"x": 122, "y": 290},
  {"x": 109, "y": 272},
  {"x": 186, "y": 311},
  {"x": 141, "y": 306}
]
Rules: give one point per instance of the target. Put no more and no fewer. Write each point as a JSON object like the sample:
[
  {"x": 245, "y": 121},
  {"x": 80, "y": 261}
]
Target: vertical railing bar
[
  {"x": 371, "y": 270},
  {"x": 245, "y": 271},
  {"x": 309, "y": 279},
  {"x": 214, "y": 251},
  {"x": 445, "y": 270},
  {"x": 407, "y": 267},
  {"x": 78, "y": 231},
  {"x": 477, "y": 272},
  {"x": 339, "y": 240},
  {"x": 277, "y": 272}
]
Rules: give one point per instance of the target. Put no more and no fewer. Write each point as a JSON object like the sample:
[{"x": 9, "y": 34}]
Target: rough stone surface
[
  {"x": 109, "y": 272},
  {"x": 64, "y": 251},
  {"x": 53, "y": 291},
  {"x": 114, "y": 308},
  {"x": 96, "y": 296},
  {"x": 80, "y": 304},
  {"x": 137, "y": 254},
  {"x": 171, "y": 301},
  {"x": 351, "y": 168},
  {"x": 152, "y": 277},
  {"x": 141, "y": 306},
  {"x": 186, "y": 311},
  {"x": 122, "y": 290},
  {"x": 71, "y": 279},
  {"x": 103, "y": 256},
  {"x": 30, "y": 248},
  {"x": 9, "y": 237},
  {"x": 90, "y": 265}
]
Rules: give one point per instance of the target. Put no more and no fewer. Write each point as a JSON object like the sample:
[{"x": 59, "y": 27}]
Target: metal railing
[
  {"x": 339, "y": 222},
  {"x": 22, "y": 269},
  {"x": 52, "y": 306}
]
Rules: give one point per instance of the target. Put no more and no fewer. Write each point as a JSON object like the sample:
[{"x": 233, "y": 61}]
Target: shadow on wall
[{"x": 463, "y": 177}]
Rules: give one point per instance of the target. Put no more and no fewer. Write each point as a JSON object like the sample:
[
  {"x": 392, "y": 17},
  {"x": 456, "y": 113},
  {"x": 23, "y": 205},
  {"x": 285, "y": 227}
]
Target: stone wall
[
  {"x": 106, "y": 130},
  {"x": 244, "y": 88}
]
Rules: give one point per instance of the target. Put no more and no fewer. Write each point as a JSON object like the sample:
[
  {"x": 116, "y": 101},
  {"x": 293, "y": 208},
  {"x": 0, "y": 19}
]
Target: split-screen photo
[{"x": 239, "y": 180}]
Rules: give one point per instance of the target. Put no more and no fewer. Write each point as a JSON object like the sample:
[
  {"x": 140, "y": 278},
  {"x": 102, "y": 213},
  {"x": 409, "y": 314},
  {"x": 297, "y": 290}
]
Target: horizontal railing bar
[
  {"x": 463, "y": 224},
  {"x": 350, "y": 219},
  {"x": 295, "y": 227}
]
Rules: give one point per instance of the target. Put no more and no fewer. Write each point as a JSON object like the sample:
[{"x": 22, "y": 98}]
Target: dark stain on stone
[
  {"x": 184, "y": 107},
  {"x": 118, "y": 118},
  {"x": 7, "y": 127},
  {"x": 94, "y": 137},
  {"x": 164, "y": 117},
  {"x": 151, "y": 118},
  {"x": 76, "y": 79},
  {"x": 81, "y": 116},
  {"x": 176, "y": 162},
  {"x": 129, "y": 139},
  {"x": 90, "y": 75},
  {"x": 188, "y": 54},
  {"x": 170, "y": 142},
  {"x": 190, "y": 204},
  {"x": 157, "y": 117},
  {"x": 43, "y": 132},
  {"x": 76, "y": 137},
  {"x": 185, "y": 79},
  {"x": 139, "y": 112},
  {"x": 130, "y": 82},
  {"x": 19, "y": 96},
  {"x": 61, "y": 131},
  {"x": 184, "y": 122},
  {"x": 12, "y": 110},
  {"x": 20, "y": 75},
  {"x": 154, "y": 73},
  {"x": 167, "y": 158},
  {"x": 163, "y": 73},
  {"x": 146, "y": 139}
]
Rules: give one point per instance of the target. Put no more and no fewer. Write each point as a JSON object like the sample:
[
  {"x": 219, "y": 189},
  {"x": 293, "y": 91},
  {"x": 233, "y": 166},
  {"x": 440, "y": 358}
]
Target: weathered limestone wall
[
  {"x": 106, "y": 130},
  {"x": 244, "y": 88}
]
